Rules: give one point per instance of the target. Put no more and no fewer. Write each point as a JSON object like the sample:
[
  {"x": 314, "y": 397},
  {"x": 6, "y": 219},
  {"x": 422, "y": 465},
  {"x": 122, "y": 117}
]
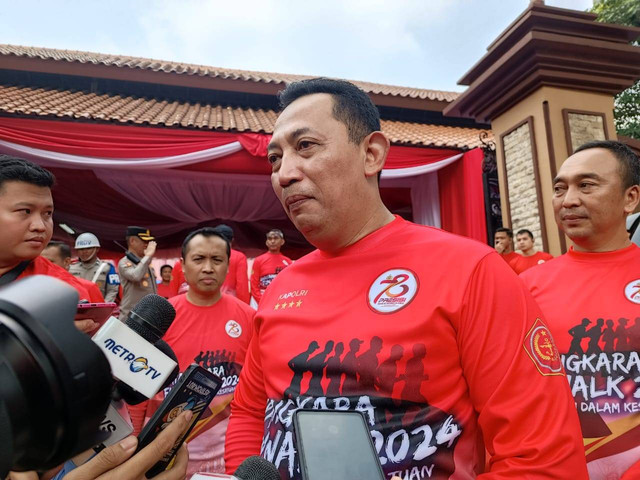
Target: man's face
[
  {"x": 166, "y": 274},
  {"x": 137, "y": 246},
  {"x": 524, "y": 242},
  {"x": 87, "y": 254},
  {"x": 589, "y": 201},
  {"x": 206, "y": 264},
  {"x": 274, "y": 242},
  {"x": 26, "y": 217},
  {"x": 317, "y": 173},
  {"x": 53, "y": 255},
  {"x": 502, "y": 240}
]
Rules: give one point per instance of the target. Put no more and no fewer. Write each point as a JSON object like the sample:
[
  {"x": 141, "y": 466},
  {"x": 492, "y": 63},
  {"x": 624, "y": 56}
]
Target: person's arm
[
  {"x": 242, "y": 280},
  {"x": 255, "y": 280},
  {"x": 246, "y": 424},
  {"x": 525, "y": 410},
  {"x": 112, "y": 284},
  {"x": 135, "y": 273}
]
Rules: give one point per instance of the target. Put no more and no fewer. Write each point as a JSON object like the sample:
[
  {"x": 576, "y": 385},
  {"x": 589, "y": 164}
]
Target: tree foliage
[{"x": 627, "y": 102}]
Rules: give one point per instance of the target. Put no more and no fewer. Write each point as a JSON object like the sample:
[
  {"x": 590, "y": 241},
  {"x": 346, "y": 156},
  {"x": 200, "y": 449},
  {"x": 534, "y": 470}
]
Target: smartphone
[
  {"x": 335, "y": 444},
  {"x": 194, "y": 391},
  {"x": 98, "y": 312}
]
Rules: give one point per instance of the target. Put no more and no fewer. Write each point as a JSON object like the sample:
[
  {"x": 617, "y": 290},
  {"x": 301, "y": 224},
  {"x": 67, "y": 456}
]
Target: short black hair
[
  {"x": 506, "y": 230},
  {"x": 277, "y": 231},
  {"x": 628, "y": 161},
  {"x": 20, "y": 170},
  {"x": 205, "y": 232},
  {"x": 63, "y": 248},
  {"x": 351, "y": 105},
  {"x": 165, "y": 266},
  {"x": 524, "y": 230},
  {"x": 225, "y": 230}
]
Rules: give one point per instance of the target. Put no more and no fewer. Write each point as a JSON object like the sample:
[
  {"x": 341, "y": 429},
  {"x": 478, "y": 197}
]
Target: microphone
[
  {"x": 131, "y": 350},
  {"x": 253, "y": 468}
]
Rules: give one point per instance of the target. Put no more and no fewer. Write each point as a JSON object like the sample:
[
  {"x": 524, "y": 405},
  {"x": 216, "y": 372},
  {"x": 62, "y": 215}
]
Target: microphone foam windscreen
[
  {"x": 155, "y": 310},
  {"x": 257, "y": 468}
]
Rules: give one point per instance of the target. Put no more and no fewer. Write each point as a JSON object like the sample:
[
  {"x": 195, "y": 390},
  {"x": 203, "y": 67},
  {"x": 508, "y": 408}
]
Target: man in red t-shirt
[
  {"x": 447, "y": 355},
  {"x": 164, "y": 287},
  {"x": 530, "y": 256},
  {"x": 211, "y": 329},
  {"x": 503, "y": 243},
  {"x": 268, "y": 265},
  {"x": 591, "y": 299},
  {"x": 26, "y": 220},
  {"x": 237, "y": 281}
]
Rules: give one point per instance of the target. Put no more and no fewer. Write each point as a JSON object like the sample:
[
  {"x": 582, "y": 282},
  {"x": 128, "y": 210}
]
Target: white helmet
[{"x": 87, "y": 240}]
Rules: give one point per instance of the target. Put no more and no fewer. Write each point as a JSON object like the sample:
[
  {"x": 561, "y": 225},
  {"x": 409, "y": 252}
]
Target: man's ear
[
  {"x": 67, "y": 262},
  {"x": 376, "y": 148},
  {"x": 632, "y": 197}
]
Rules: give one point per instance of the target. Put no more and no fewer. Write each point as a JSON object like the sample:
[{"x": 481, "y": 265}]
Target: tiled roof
[
  {"x": 122, "y": 61},
  {"x": 42, "y": 102}
]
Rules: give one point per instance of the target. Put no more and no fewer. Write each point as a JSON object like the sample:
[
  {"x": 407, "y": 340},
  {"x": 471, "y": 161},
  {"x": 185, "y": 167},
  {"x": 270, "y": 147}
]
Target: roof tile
[
  {"x": 121, "y": 61},
  {"x": 43, "y": 102}
]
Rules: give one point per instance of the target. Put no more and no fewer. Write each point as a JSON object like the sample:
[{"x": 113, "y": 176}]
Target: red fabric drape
[{"x": 462, "y": 197}]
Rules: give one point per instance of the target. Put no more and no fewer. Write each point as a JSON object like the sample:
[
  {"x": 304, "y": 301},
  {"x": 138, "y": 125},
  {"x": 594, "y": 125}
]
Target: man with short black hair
[
  {"x": 135, "y": 270},
  {"x": 59, "y": 253},
  {"x": 595, "y": 190},
  {"x": 448, "y": 353},
  {"x": 503, "y": 242},
  {"x": 530, "y": 256},
  {"x": 164, "y": 287},
  {"x": 211, "y": 329},
  {"x": 26, "y": 217},
  {"x": 266, "y": 266}
]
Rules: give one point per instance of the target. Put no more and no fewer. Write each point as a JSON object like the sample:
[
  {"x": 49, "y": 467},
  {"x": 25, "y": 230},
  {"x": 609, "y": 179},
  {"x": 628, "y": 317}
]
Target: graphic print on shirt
[
  {"x": 603, "y": 369},
  {"x": 413, "y": 439},
  {"x": 265, "y": 280},
  {"x": 222, "y": 364}
]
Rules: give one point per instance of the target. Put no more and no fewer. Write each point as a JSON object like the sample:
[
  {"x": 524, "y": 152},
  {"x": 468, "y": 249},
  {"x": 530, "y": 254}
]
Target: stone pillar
[{"x": 545, "y": 87}]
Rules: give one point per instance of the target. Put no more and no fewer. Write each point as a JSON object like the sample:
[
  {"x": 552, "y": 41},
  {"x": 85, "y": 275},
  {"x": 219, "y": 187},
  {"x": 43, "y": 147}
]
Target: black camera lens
[{"x": 55, "y": 383}]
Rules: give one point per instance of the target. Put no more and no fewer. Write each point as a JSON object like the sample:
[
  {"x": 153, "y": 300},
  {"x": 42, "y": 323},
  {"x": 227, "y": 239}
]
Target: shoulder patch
[{"x": 539, "y": 345}]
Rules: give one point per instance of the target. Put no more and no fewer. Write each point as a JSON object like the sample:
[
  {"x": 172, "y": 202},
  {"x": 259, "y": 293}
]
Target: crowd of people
[{"x": 462, "y": 367}]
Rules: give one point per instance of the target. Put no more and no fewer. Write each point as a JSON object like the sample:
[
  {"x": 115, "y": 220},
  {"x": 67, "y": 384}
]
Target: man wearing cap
[
  {"x": 268, "y": 265},
  {"x": 91, "y": 268},
  {"x": 136, "y": 273}
]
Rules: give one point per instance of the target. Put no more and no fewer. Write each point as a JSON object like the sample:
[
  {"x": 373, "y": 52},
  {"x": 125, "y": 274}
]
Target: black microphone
[
  {"x": 151, "y": 317},
  {"x": 257, "y": 468}
]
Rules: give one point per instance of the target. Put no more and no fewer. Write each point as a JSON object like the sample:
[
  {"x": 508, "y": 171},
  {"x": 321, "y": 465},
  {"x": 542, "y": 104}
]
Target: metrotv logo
[{"x": 136, "y": 363}]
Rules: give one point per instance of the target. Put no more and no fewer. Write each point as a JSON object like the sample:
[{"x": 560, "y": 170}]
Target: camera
[{"x": 55, "y": 383}]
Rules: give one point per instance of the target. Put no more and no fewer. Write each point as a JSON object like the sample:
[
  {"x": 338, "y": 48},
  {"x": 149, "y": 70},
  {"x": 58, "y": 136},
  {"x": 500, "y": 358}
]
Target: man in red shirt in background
[
  {"x": 268, "y": 265},
  {"x": 211, "y": 329},
  {"x": 59, "y": 253},
  {"x": 237, "y": 281},
  {"x": 26, "y": 220},
  {"x": 530, "y": 256},
  {"x": 164, "y": 287},
  {"x": 446, "y": 354},
  {"x": 597, "y": 279},
  {"x": 503, "y": 242}
]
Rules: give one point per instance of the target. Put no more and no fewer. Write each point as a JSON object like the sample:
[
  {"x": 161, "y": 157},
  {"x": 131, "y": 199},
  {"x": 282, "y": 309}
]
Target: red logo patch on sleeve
[{"x": 539, "y": 345}]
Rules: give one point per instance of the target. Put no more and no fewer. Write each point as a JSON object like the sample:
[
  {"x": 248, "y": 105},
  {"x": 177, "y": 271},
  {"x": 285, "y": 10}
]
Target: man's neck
[
  {"x": 507, "y": 251},
  {"x": 376, "y": 220},
  {"x": 166, "y": 283},
  {"x": 89, "y": 262},
  {"x": 8, "y": 266},
  {"x": 528, "y": 253},
  {"x": 203, "y": 300},
  {"x": 609, "y": 245}
]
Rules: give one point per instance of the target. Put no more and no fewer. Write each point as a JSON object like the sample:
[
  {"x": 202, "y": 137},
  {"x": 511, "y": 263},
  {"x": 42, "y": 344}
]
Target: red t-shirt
[
  {"x": 95, "y": 295},
  {"x": 264, "y": 270},
  {"x": 435, "y": 349},
  {"x": 592, "y": 304},
  {"x": 165, "y": 290},
  {"x": 42, "y": 266},
  {"x": 524, "y": 263},
  {"x": 236, "y": 282},
  {"x": 512, "y": 259},
  {"x": 216, "y": 338}
]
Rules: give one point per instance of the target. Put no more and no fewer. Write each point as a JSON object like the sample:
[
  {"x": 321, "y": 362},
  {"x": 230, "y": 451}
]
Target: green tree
[{"x": 627, "y": 103}]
